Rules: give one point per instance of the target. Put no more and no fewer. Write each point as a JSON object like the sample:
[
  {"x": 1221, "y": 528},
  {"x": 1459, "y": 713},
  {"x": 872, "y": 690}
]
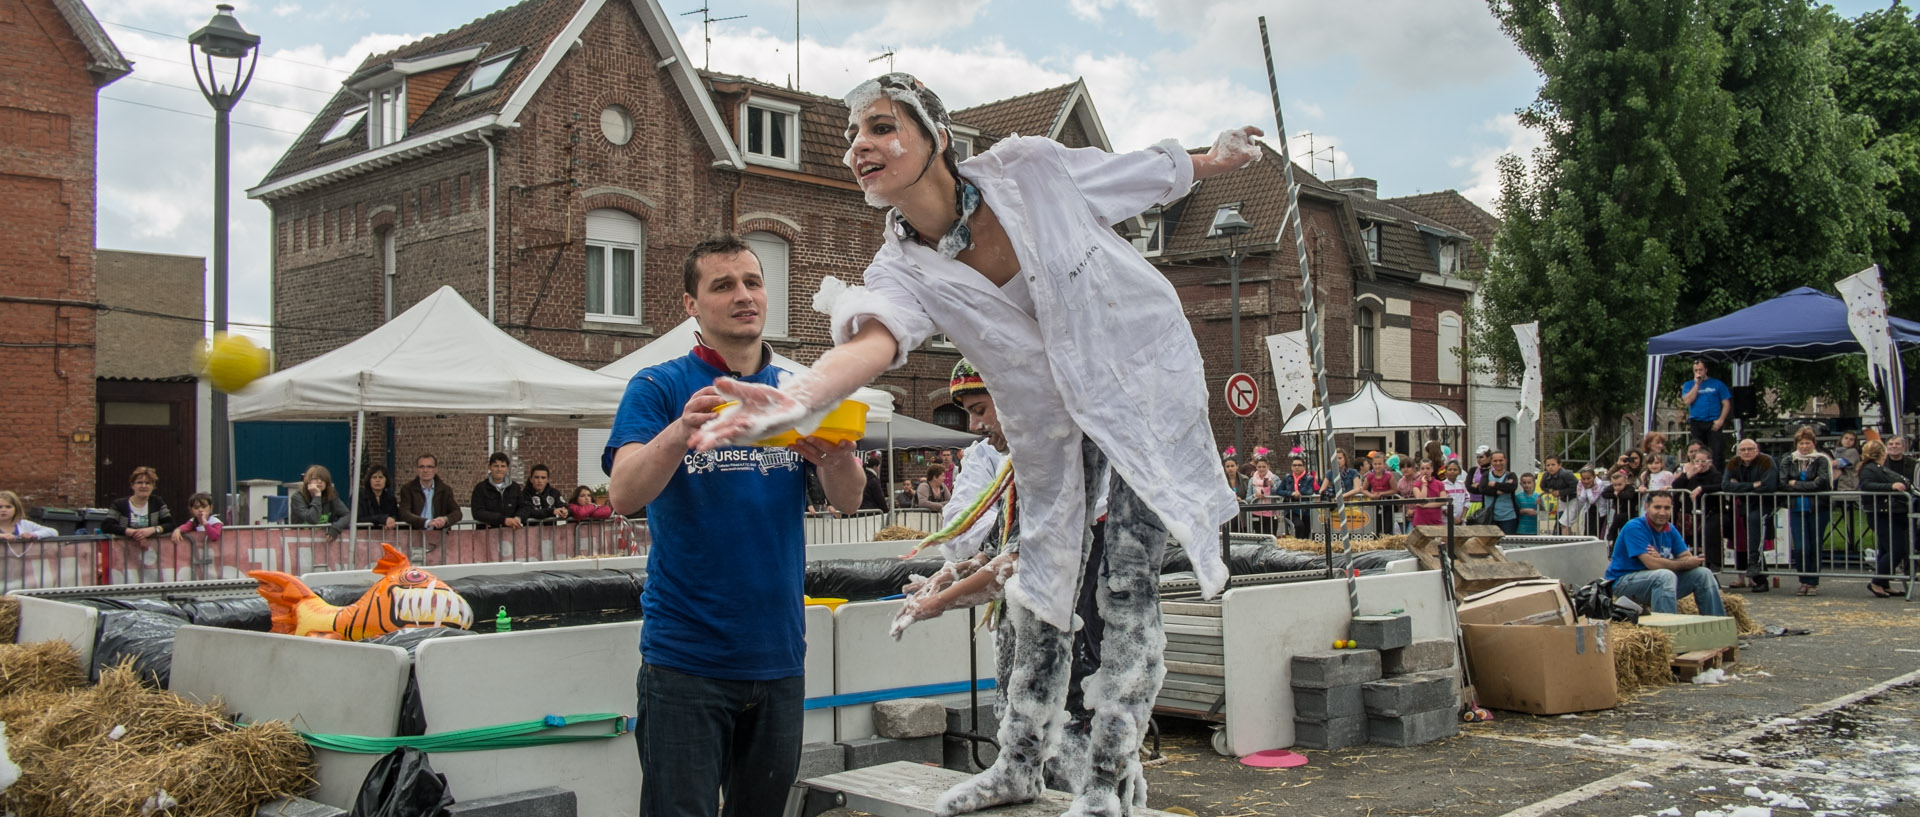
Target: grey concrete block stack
[
  {"x": 1390, "y": 689},
  {"x": 957, "y": 752}
]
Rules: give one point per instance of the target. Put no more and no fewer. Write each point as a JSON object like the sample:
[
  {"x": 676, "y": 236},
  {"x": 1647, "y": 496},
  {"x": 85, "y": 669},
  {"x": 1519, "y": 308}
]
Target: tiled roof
[
  {"x": 823, "y": 120},
  {"x": 1261, "y": 191},
  {"x": 107, "y": 62},
  {"x": 1459, "y": 212},
  {"x": 1403, "y": 246},
  {"x": 1031, "y": 114},
  {"x": 530, "y": 25}
]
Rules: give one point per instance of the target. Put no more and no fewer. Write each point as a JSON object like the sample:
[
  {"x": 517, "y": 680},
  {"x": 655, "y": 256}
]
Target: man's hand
[
  {"x": 699, "y": 409},
  {"x": 560, "y": 512},
  {"x": 822, "y": 452},
  {"x": 391, "y": 523},
  {"x": 437, "y": 522},
  {"x": 513, "y": 522},
  {"x": 763, "y": 410}
]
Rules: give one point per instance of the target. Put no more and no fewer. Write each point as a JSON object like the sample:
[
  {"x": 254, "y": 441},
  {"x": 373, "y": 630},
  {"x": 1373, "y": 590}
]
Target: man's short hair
[
  {"x": 542, "y": 467},
  {"x": 499, "y": 457},
  {"x": 722, "y": 244},
  {"x": 1298, "y": 460},
  {"x": 1653, "y": 495},
  {"x": 1553, "y": 459},
  {"x": 435, "y": 460}
]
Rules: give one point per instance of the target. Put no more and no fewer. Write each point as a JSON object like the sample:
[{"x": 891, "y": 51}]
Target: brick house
[
  {"x": 553, "y": 162},
  {"x": 54, "y": 59}
]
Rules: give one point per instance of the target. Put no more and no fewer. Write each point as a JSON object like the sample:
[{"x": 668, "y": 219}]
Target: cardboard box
[
  {"x": 1542, "y": 669},
  {"x": 1694, "y": 632},
  {"x": 1519, "y": 601}
]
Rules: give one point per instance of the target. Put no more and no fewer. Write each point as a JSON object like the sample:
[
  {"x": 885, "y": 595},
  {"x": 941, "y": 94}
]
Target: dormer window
[
  {"x": 964, "y": 138},
  {"x": 488, "y": 74},
  {"x": 1152, "y": 240},
  {"x": 770, "y": 133},
  {"x": 1370, "y": 237},
  {"x": 1448, "y": 257},
  {"x": 387, "y": 109},
  {"x": 348, "y": 121}
]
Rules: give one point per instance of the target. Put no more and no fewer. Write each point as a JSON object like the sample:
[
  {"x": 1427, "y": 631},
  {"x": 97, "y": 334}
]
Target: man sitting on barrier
[{"x": 1652, "y": 566}]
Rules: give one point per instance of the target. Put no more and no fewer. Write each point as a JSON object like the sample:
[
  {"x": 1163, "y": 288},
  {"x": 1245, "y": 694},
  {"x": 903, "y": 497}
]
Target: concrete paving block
[
  {"x": 546, "y": 802},
  {"x": 1423, "y": 655},
  {"x": 958, "y": 755},
  {"x": 820, "y": 759},
  {"x": 909, "y": 718},
  {"x": 1381, "y": 632},
  {"x": 866, "y": 752},
  {"x": 957, "y": 720},
  {"x": 1414, "y": 729},
  {"x": 1333, "y": 733},
  {"x": 1332, "y": 668},
  {"x": 1407, "y": 694},
  {"x": 297, "y": 807},
  {"x": 1344, "y": 701}
]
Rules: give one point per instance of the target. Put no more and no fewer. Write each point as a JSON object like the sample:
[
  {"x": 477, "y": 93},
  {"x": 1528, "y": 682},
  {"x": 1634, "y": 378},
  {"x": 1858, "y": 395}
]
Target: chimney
[{"x": 1359, "y": 186}]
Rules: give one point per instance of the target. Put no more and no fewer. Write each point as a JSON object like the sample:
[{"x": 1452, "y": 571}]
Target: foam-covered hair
[{"x": 903, "y": 88}]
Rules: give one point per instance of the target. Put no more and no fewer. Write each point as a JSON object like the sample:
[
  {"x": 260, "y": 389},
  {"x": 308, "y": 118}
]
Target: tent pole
[
  {"x": 890, "y": 507},
  {"x": 353, "y": 508}
]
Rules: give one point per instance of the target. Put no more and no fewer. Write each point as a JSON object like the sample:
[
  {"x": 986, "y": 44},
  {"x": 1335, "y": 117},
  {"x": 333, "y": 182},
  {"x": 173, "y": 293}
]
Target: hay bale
[
  {"x": 1360, "y": 545},
  {"x": 1736, "y": 607},
  {"x": 9, "y": 619},
  {"x": 72, "y": 766},
  {"x": 896, "y": 533},
  {"x": 43, "y": 666},
  {"x": 1642, "y": 657}
]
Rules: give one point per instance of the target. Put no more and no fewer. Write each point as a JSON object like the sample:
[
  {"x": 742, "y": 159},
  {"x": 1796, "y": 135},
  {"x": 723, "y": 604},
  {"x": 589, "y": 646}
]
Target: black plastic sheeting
[{"x": 413, "y": 714}]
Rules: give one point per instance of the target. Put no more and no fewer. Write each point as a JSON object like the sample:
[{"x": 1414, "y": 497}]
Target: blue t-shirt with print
[
  {"x": 1706, "y": 405},
  {"x": 728, "y": 560},
  {"x": 1634, "y": 539}
]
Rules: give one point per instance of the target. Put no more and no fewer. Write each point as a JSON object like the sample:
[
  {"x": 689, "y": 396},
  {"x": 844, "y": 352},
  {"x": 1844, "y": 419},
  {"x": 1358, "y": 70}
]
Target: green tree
[
  {"x": 1876, "y": 60},
  {"x": 1621, "y": 202}
]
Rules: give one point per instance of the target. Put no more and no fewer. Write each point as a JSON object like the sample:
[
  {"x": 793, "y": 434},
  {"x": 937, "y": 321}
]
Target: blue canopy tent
[{"x": 1804, "y": 324}]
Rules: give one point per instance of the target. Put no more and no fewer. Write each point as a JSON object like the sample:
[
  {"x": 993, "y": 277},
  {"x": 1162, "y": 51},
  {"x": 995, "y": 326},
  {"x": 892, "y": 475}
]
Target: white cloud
[
  {"x": 1482, "y": 178},
  {"x": 286, "y": 9}
]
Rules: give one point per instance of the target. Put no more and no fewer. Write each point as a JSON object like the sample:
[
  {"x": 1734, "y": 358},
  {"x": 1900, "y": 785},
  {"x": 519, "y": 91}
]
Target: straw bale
[
  {"x": 72, "y": 766},
  {"x": 1642, "y": 656},
  {"x": 1736, "y": 607},
  {"x": 9, "y": 619},
  {"x": 894, "y": 533},
  {"x": 1394, "y": 542},
  {"x": 43, "y": 666}
]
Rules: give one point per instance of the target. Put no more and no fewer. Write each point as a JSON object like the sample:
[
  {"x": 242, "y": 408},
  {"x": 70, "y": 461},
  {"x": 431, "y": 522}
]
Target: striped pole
[{"x": 1316, "y": 334}]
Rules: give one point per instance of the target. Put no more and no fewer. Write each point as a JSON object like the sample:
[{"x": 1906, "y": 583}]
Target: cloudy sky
[{"x": 1418, "y": 94}]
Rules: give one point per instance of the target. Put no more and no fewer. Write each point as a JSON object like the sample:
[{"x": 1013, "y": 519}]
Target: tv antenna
[
  {"x": 706, "y": 21},
  {"x": 1313, "y": 158},
  {"x": 886, "y": 55}
]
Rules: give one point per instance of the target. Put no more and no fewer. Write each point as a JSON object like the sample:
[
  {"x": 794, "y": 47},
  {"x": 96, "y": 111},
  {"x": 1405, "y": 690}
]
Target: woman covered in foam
[{"x": 1012, "y": 254}]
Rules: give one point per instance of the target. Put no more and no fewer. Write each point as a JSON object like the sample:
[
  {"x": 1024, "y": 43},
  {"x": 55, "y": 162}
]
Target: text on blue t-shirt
[{"x": 1706, "y": 404}]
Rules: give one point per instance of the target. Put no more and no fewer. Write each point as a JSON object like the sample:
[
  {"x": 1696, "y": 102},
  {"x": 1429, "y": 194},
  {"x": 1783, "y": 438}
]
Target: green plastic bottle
[{"x": 501, "y": 623}]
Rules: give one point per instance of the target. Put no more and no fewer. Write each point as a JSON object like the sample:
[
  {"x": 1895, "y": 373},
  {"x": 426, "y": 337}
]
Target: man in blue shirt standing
[
  {"x": 721, "y": 682},
  {"x": 1709, "y": 404},
  {"x": 1652, "y": 566}
]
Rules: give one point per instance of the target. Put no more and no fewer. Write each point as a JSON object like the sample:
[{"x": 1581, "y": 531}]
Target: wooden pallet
[{"x": 1687, "y": 665}]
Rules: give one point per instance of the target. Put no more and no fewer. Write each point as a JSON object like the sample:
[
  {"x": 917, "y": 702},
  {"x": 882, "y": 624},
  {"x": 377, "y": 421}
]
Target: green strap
[{"x": 503, "y": 736}]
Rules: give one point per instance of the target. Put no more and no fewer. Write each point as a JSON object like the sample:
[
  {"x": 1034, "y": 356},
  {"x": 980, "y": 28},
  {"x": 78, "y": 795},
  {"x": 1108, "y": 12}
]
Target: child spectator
[
  {"x": 583, "y": 507},
  {"x": 1425, "y": 486},
  {"x": 14, "y": 524},
  {"x": 316, "y": 503},
  {"x": 540, "y": 503},
  {"x": 1656, "y": 477},
  {"x": 1528, "y": 503}
]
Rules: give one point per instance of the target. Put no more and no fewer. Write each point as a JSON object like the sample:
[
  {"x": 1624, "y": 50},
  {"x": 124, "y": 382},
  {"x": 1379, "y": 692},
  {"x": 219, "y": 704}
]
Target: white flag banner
[
  {"x": 1528, "y": 334},
  {"x": 1867, "y": 318},
  {"x": 1292, "y": 371}
]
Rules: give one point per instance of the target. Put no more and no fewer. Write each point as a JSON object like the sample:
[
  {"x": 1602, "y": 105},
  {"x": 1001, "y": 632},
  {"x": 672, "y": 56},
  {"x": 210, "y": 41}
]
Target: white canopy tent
[
  {"x": 438, "y": 357},
  {"x": 1371, "y": 408}
]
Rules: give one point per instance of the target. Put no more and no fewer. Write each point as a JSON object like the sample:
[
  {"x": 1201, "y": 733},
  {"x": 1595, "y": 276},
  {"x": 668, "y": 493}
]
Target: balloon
[{"x": 231, "y": 362}]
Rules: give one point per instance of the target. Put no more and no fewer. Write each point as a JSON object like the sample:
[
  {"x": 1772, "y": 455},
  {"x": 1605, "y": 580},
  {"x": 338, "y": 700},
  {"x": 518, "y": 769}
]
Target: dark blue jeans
[
  {"x": 1809, "y": 531},
  {"x": 702, "y": 737}
]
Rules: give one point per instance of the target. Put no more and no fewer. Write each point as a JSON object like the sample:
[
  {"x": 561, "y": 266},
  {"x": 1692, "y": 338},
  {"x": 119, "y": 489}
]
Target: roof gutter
[{"x": 357, "y": 164}]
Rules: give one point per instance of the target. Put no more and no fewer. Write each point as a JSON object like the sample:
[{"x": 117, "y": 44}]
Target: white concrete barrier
[
  {"x": 817, "y": 725},
  {"x": 1575, "y": 563},
  {"x": 47, "y": 620},
  {"x": 866, "y": 659}
]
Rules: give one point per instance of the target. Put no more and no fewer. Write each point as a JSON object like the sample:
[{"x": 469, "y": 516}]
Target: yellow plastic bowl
[
  {"x": 845, "y": 423},
  {"x": 830, "y": 604}
]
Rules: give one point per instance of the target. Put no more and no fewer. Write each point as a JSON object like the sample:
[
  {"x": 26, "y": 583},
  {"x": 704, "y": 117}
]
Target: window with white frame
[
  {"x": 1370, "y": 236},
  {"x": 770, "y": 132},
  {"x": 488, "y": 74},
  {"x": 1152, "y": 240},
  {"x": 1448, "y": 370},
  {"x": 387, "y": 110},
  {"x": 1449, "y": 257},
  {"x": 347, "y": 122},
  {"x": 615, "y": 247},
  {"x": 962, "y": 148},
  {"x": 775, "y": 257}
]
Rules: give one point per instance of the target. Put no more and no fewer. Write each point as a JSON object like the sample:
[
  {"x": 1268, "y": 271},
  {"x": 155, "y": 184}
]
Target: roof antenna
[
  {"x": 1313, "y": 157},
  {"x": 706, "y": 21},
  {"x": 887, "y": 55}
]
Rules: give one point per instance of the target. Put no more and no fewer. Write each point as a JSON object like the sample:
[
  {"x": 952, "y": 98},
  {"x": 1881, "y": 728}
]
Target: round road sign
[{"x": 1242, "y": 397}]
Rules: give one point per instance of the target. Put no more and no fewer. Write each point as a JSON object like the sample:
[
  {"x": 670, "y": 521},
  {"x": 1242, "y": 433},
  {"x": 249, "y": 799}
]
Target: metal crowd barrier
[{"x": 1832, "y": 534}]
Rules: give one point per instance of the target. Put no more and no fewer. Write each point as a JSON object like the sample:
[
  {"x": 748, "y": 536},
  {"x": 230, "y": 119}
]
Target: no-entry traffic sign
[{"x": 1242, "y": 397}]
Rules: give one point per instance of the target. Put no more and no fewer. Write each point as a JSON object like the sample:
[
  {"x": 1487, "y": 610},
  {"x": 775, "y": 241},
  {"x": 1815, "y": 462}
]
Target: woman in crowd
[
  {"x": 583, "y": 508},
  {"x": 377, "y": 505},
  {"x": 905, "y": 496},
  {"x": 14, "y": 524},
  {"x": 1348, "y": 481},
  {"x": 1887, "y": 505},
  {"x": 141, "y": 518},
  {"x": 1694, "y": 488},
  {"x": 1529, "y": 507},
  {"x": 1653, "y": 447},
  {"x": 1235, "y": 480},
  {"x": 1263, "y": 488},
  {"x": 1808, "y": 471},
  {"x": 932, "y": 493},
  {"x": 1496, "y": 488},
  {"x": 317, "y": 503},
  {"x": 1846, "y": 463}
]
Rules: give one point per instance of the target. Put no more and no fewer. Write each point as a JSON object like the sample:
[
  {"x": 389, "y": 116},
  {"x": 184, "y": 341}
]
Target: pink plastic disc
[{"x": 1274, "y": 759}]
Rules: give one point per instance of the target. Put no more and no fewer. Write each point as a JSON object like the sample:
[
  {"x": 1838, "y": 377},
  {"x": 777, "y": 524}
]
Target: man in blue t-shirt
[
  {"x": 721, "y": 683},
  {"x": 1651, "y": 564},
  {"x": 1709, "y": 404}
]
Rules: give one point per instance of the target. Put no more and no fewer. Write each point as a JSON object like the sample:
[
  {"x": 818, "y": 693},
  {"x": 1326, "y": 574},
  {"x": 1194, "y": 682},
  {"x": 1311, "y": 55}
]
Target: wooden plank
[
  {"x": 1204, "y": 622},
  {"x": 1215, "y": 688},
  {"x": 1172, "y": 655},
  {"x": 1185, "y": 629}
]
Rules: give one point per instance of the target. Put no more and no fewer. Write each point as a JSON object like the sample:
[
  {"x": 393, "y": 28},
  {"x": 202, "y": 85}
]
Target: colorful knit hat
[{"x": 966, "y": 380}]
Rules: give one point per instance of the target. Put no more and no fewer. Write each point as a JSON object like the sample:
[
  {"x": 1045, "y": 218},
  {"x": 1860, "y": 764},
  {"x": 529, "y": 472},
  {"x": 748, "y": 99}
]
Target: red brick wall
[{"x": 47, "y": 189}]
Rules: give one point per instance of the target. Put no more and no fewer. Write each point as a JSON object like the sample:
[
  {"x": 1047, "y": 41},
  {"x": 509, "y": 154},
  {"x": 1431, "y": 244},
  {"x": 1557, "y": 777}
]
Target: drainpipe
[{"x": 491, "y": 198}]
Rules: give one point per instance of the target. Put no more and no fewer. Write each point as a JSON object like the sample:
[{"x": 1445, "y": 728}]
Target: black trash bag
[
  {"x": 1175, "y": 559},
  {"x": 865, "y": 579},
  {"x": 1595, "y": 600},
  {"x": 245, "y": 613},
  {"x": 411, "y": 639},
  {"x": 403, "y": 784},
  {"x": 549, "y": 593},
  {"x": 108, "y": 604},
  {"x": 142, "y": 635}
]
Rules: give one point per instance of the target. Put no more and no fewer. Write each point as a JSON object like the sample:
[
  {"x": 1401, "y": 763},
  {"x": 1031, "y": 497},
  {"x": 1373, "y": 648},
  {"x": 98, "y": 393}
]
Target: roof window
[
  {"x": 348, "y": 121},
  {"x": 488, "y": 74}
]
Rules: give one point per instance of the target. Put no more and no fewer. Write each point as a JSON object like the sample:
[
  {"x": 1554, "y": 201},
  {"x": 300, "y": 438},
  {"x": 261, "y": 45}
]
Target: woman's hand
[
  {"x": 763, "y": 410},
  {"x": 391, "y": 523},
  {"x": 1232, "y": 150},
  {"x": 141, "y": 534}
]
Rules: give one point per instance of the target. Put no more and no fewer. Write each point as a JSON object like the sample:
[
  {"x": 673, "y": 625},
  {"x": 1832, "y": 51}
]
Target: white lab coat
[{"x": 1108, "y": 353}]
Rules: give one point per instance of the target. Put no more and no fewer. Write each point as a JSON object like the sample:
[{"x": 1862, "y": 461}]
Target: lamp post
[
  {"x": 222, "y": 83},
  {"x": 1233, "y": 227}
]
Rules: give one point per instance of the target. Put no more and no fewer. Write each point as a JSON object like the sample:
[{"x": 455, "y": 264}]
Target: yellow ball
[{"x": 230, "y": 362}]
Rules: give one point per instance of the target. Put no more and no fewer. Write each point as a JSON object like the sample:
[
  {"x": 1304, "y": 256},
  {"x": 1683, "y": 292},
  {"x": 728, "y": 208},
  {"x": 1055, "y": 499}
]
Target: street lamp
[
  {"x": 222, "y": 83},
  {"x": 1233, "y": 227}
]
